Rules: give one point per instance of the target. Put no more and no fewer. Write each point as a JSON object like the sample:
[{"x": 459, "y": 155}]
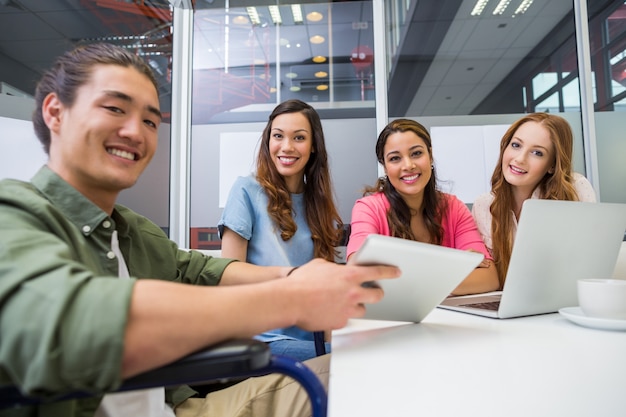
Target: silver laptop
[
  {"x": 557, "y": 243},
  {"x": 429, "y": 274}
]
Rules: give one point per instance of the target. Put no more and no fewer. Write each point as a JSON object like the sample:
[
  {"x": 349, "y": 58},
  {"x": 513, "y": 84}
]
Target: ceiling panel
[
  {"x": 467, "y": 71},
  {"x": 74, "y": 25},
  {"x": 24, "y": 26},
  {"x": 491, "y": 45}
]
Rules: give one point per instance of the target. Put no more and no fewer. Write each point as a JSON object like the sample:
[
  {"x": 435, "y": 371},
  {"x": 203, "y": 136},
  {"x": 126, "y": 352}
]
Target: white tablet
[{"x": 429, "y": 273}]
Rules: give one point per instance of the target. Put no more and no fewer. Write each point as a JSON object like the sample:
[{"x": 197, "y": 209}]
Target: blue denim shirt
[{"x": 246, "y": 214}]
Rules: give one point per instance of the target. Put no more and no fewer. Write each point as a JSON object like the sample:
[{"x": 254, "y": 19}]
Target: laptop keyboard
[{"x": 490, "y": 305}]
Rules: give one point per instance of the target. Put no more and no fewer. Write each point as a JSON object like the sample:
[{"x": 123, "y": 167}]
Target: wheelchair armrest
[{"x": 231, "y": 359}]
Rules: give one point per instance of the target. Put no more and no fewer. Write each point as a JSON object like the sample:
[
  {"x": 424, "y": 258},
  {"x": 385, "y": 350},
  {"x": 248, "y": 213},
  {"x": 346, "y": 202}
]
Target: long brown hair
[
  {"x": 553, "y": 186},
  {"x": 399, "y": 214},
  {"x": 321, "y": 213}
]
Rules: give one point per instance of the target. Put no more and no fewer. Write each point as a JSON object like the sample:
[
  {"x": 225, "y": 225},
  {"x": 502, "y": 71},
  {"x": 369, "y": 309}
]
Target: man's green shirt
[{"x": 63, "y": 309}]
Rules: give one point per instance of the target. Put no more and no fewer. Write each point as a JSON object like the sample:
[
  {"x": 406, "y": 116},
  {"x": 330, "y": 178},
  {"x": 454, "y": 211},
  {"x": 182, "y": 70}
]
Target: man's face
[{"x": 107, "y": 137}]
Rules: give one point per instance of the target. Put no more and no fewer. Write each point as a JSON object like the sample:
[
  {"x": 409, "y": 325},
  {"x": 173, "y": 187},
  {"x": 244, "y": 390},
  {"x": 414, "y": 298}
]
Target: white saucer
[{"x": 576, "y": 315}]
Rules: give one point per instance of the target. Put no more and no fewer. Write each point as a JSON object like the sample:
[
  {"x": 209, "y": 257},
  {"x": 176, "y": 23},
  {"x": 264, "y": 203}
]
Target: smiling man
[
  {"x": 104, "y": 141},
  {"x": 71, "y": 260}
]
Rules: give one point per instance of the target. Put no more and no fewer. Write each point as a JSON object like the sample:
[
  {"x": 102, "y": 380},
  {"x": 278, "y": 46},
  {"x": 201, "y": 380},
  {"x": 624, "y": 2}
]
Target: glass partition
[
  {"x": 250, "y": 56},
  {"x": 468, "y": 57}
]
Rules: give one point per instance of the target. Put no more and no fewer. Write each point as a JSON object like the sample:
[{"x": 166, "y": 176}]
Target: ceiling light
[
  {"x": 317, "y": 16},
  {"x": 296, "y": 11},
  {"x": 291, "y": 75},
  {"x": 524, "y": 5},
  {"x": 478, "y": 7},
  {"x": 240, "y": 20},
  {"x": 253, "y": 15},
  {"x": 322, "y": 87},
  {"x": 294, "y": 88},
  {"x": 275, "y": 14},
  {"x": 321, "y": 74},
  {"x": 319, "y": 59},
  {"x": 501, "y": 7},
  {"x": 317, "y": 39}
]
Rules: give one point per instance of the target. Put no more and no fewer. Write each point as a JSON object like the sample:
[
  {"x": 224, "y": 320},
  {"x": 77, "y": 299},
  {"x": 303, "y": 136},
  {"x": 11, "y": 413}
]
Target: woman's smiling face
[
  {"x": 290, "y": 146},
  {"x": 528, "y": 157},
  {"x": 407, "y": 163}
]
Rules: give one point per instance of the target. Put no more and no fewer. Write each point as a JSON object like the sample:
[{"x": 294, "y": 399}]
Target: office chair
[{"x": 229, "y": 360}]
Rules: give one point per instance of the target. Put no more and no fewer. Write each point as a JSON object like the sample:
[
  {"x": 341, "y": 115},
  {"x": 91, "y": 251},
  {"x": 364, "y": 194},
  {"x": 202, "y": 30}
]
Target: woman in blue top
[{"x": 285, "y": 215}]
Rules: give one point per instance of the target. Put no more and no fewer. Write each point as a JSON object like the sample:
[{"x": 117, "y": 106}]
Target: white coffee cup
[{"x": 603, "y": 298}]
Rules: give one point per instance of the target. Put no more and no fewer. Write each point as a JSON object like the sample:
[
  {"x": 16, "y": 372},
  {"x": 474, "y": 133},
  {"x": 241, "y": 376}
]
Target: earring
[{"x": 432, "y": 166}]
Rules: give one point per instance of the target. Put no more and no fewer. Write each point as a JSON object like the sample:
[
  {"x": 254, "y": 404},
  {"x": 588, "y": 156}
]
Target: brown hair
[
  {"x": 72, "y": 70},
  {"x": 399, "y": 214},
  {"x": 321, "y": 214},
  {"x": 553, "y": 186}
]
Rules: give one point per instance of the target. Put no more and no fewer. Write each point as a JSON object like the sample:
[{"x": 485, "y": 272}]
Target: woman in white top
[{"x": 535, "y": 162}]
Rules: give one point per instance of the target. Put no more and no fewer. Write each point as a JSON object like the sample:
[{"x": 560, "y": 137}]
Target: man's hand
[{"x": 331, "y": 293}]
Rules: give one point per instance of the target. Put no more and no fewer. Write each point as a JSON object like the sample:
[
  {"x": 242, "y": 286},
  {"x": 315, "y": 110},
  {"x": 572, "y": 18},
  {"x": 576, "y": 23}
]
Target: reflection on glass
[
  {"x": 620, "y": 105},
  {"x": 571, "y": 96},
  {"x": 247, "y": 59},
  {"x": 616, "y": 23},
  {"x": 395, "y": 14},
  {"x": 617, "y": 61},
  {"x": 549, "y": 105},
  {"x": 608, "y": 48},
  {"x": 617, "y": 87},
  {"x": 543, "y": 82}
]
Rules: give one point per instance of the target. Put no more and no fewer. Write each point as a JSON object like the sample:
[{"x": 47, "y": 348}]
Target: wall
[{"x": 21, "y": 153}]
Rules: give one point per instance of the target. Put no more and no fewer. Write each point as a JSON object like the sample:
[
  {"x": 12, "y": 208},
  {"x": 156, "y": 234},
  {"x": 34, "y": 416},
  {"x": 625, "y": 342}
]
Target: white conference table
[{"x": 456, "y": 364}]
